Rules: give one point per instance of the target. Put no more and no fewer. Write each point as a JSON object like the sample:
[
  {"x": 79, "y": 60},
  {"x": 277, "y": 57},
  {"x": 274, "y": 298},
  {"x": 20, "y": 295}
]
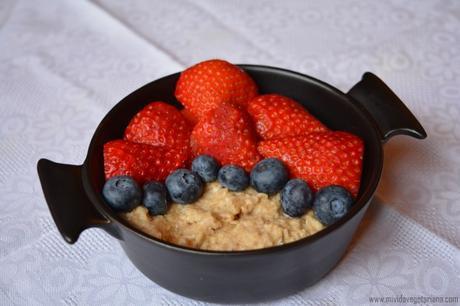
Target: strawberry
[
  {"x": 208, "y": 84},
  {"x": 159, "y": 124},
  {"x": 320, "y": 158},
  {"x": 277, "y": 116},
  {"x": 142, "y": 161},
  {"x": 227, "y": 134}
]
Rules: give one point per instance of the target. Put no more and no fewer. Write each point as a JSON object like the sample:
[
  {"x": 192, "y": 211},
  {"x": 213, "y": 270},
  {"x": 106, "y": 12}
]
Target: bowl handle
[
  {"x": 70, "y": 207},
  {"x": 389, "y": 112}
]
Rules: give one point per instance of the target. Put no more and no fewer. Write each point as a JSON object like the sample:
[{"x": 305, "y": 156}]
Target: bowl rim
[{"x": 363, "y": 198}]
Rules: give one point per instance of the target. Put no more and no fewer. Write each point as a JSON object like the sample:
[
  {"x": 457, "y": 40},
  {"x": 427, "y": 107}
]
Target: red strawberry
[
  {"x": 227, "y": 134},
  {"x": 159, "y": 124},
  {"x": 141, "y": 161},
  {"x": 277, "y": 116},
  {"x": 208, "y": 84},
  {"x": 320, "y": 158}
]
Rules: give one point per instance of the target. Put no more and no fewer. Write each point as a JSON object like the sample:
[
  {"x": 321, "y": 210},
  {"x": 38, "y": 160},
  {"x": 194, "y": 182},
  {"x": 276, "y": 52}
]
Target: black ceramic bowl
[{"x": 73, "y": 193}]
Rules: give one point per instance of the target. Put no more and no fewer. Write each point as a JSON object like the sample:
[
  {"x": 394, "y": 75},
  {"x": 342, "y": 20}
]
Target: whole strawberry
[
  {"x": 320, "y": 158},
  {"x": 143, "y": 162},
  {"x": 277, "y": 116},
  {"x": 227, "y": 134},
  {"x": 159, "y": 124},
  {"x": 208, "y": 84}
]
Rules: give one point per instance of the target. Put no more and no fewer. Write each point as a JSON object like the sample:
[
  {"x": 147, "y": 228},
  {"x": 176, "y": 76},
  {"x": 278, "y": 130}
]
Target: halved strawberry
[
  {"x": 208, "y": 84},
  {"x": 227, "y": 134},
  {"x": 320, "y": 158},
  {"x": 142, "y": 161},
  {"x": 277, "y": 116},
  {"x": 159, "y": 124}
]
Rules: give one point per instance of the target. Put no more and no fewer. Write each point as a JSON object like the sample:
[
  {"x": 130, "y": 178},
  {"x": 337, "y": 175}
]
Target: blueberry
[
  {"x": 269, "y": 176},
  {"x": 233, "y": 177},
  {"x": 331, "y": 203},
  {"x": 122, "y": 193},
  {"x": 155, "y": 199},
  {"x": 184, "y": 186},
  {"x": 296, "y": 198},
  {"x": 206, "y": 167}
]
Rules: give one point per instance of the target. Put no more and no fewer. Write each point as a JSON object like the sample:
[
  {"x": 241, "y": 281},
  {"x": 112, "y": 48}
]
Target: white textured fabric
[{"x": 64, "y": 64}]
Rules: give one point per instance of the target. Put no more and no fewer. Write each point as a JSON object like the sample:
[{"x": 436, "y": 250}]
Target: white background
[{"x": 64, "y": 64}]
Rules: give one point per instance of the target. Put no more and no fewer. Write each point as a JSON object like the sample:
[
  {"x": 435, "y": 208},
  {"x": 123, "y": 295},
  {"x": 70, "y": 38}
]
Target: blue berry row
[{"x": 269, "y": 176}]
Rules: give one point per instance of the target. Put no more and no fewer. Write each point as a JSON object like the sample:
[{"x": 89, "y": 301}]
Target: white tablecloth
[{"x": 65, "y": 63}]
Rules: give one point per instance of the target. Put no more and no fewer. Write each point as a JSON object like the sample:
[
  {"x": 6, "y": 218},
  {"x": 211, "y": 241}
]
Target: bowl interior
[{"x": 328, "y": 104}]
